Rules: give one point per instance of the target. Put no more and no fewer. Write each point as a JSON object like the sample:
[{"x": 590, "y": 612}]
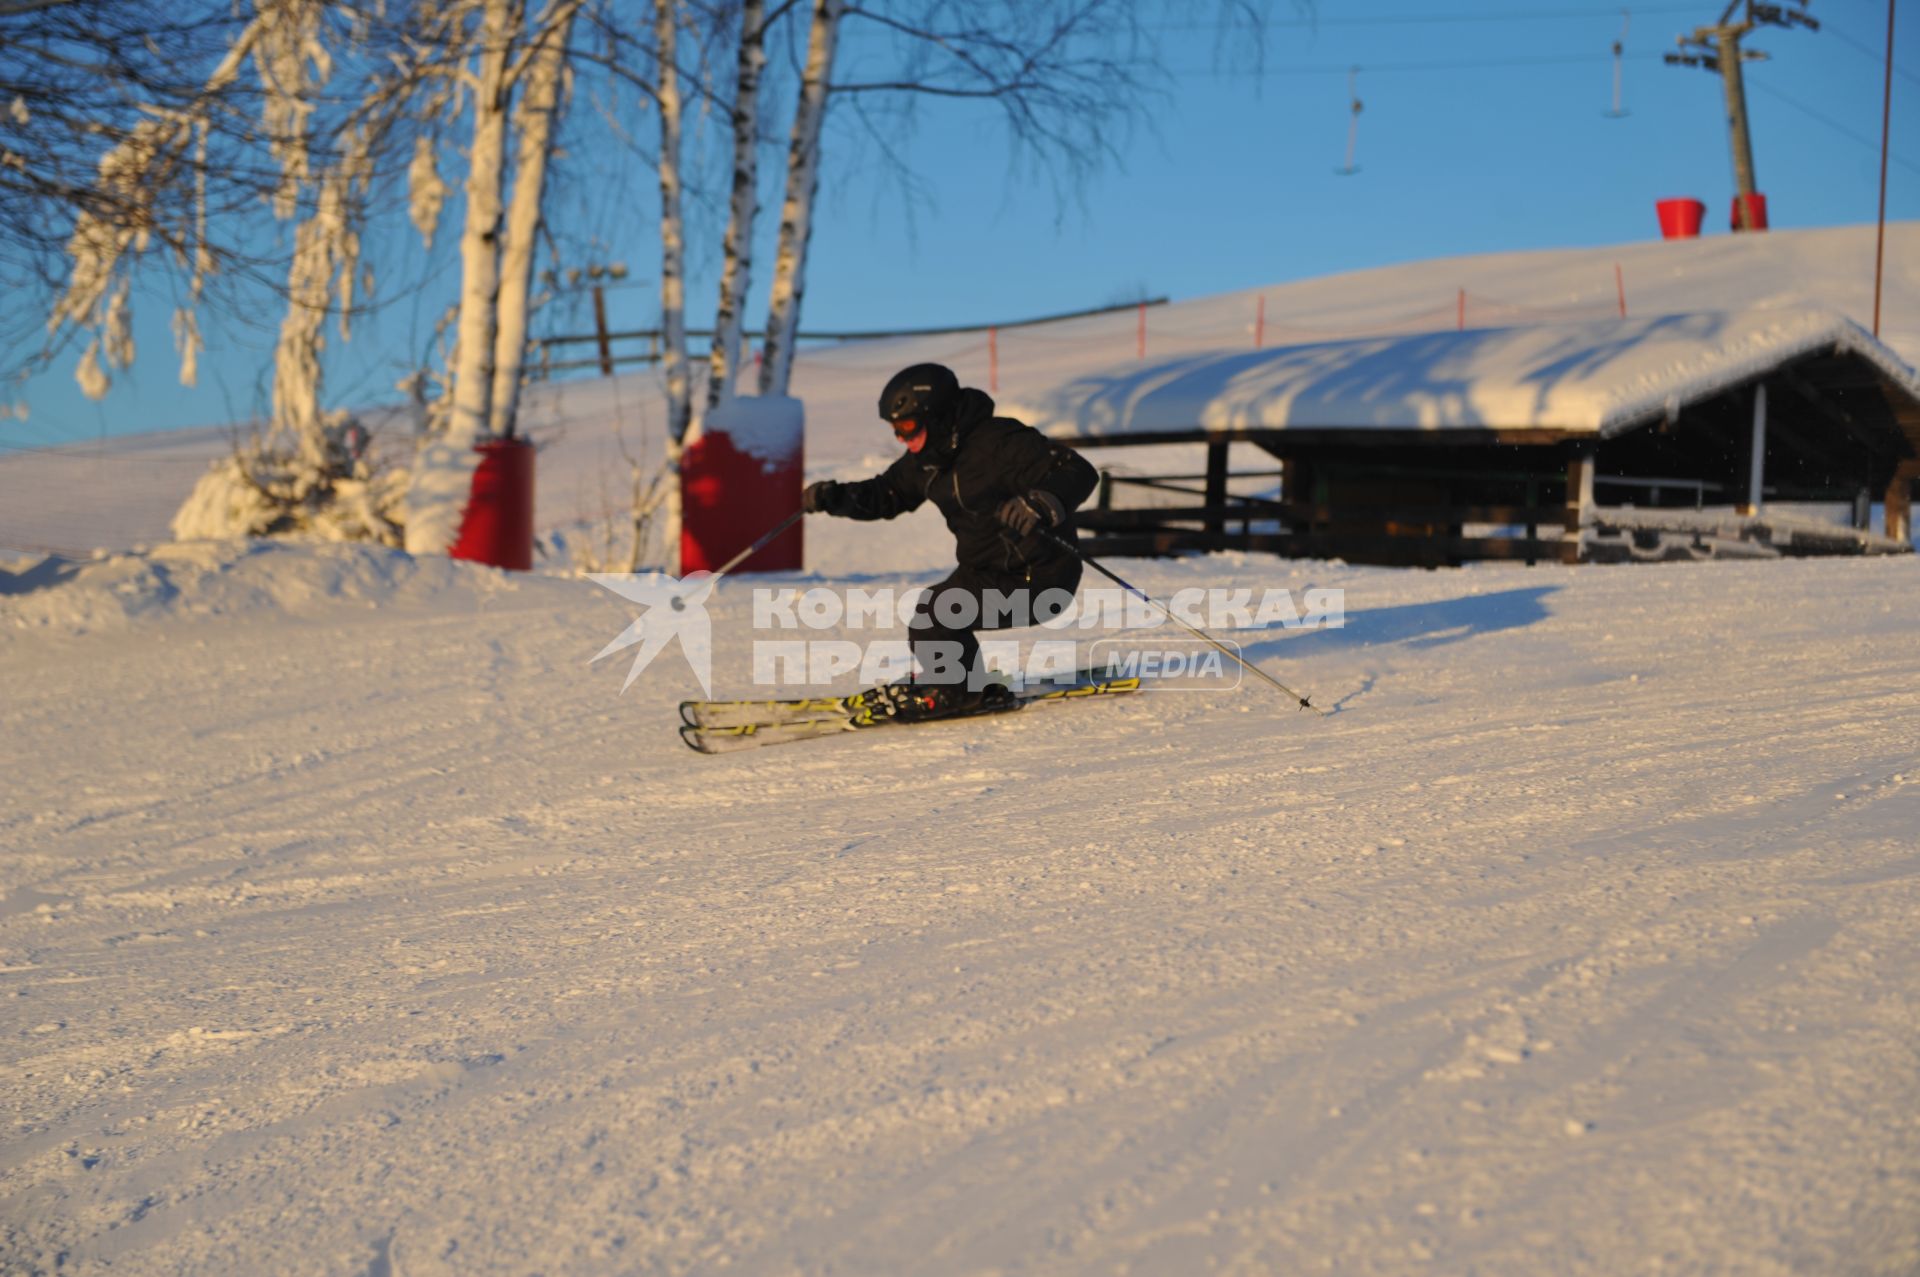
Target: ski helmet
[{"x": 916, "y": 398}]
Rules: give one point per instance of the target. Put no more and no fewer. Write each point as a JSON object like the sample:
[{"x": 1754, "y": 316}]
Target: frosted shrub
[{"x": 268, "y": 490}]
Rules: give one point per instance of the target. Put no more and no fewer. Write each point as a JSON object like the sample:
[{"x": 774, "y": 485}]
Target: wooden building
[{"x": 1670, "y": 436}]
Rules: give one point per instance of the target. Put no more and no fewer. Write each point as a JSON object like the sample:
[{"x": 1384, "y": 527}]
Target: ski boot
[{"x": 918, "y": 702}]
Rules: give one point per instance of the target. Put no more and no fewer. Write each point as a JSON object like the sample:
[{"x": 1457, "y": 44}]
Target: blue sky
[{"x": 1484, "y": 129}]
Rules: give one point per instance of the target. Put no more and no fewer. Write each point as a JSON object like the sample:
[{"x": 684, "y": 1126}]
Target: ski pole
[
  {"x": 680, "y": 603},
  {"x": 1166, "y": 611}
]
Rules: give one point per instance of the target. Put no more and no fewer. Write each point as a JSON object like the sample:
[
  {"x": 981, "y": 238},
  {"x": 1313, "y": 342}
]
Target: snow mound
[
  {"x": 230, "y": 579},
  {"x": 770, "y": 427}
]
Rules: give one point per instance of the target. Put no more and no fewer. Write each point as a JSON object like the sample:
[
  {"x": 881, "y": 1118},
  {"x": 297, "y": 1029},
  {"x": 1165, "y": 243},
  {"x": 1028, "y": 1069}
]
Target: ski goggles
[{"x": 910, "y": 432}]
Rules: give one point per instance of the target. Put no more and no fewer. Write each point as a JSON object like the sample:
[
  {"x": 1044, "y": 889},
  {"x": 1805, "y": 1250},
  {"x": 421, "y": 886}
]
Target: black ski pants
[{"x": 972, "y": 599}]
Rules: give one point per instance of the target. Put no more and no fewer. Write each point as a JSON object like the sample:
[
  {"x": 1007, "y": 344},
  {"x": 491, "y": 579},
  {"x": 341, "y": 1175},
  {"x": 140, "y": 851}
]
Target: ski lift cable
[
  {"x": 1461, "y": 64},
  {"x": 1860, "y": 46},
  {"x": 1830, "y": 122},
  {"x": 1426, "y": 19}
]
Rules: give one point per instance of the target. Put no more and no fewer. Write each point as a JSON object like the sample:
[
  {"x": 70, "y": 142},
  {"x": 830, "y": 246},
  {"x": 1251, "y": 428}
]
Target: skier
[{"x": 1001, "y": 486}]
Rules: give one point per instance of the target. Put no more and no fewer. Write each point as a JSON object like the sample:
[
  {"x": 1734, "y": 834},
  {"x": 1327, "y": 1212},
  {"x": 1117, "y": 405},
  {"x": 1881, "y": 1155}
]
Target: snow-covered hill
[
  {"x": 122, "y": 492},
  {"x": 357, "y": 924}
]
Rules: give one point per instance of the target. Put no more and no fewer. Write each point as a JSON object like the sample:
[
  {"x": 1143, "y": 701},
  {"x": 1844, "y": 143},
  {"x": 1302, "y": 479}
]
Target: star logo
[{"x": 673, "y": 607}]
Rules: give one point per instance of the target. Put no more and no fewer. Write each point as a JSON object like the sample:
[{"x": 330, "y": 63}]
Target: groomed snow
[
  {"x": 351, "y": 921},
  {"x": 1596, "y": 377},
  {"x": 365, "y": 928}
]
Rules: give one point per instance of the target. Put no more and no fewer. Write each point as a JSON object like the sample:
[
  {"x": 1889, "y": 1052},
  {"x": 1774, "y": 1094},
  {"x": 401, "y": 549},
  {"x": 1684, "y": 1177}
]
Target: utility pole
[
  {"x": 1717, "y": 48},
  {"x": 1886, "y": 118}
]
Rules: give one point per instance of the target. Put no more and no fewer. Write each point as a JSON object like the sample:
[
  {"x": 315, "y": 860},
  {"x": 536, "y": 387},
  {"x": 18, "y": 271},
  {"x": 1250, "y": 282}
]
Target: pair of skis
[{"x": 721, "y": 727}]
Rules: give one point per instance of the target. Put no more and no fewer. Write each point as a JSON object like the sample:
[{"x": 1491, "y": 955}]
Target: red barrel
[
  {"x": 741, "y": 474},
  {"x": 498, "y": 527},
  {"x": 1680, "y": 219},
  {"x": 1756, "y": 212}
]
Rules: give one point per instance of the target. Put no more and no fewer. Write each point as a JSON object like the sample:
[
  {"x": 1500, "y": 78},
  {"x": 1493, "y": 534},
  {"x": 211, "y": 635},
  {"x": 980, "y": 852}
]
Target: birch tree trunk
[
  {"x": 539, "y": 105},
  {"x": 796, "y": 215},
  {"x": 296, "y": 356},
  {"x": 443, "y": 472},
  {"x": 480, "y": 239},
  {"x": 673, "y": 323},
  {"x": 736, "y": 273},
  {"x": 673, "y": 300}
]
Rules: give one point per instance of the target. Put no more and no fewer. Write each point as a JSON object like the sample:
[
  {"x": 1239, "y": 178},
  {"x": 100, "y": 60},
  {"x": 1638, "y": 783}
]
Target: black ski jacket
[{"x": 981, "y": 461}]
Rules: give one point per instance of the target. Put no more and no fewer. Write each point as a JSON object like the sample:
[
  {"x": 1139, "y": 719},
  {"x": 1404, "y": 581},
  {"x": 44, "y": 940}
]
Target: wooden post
[
  {"x": 1142, "y": 340},
  {"x": 1620, "y": 288},
  {"x": 1756, "y": 452},
  {"x": 1533, "y": 528},
  {"x": 993, "y": 360},
  {"x": 1900, "y": 501},
  {"x": 600, "y": 331},
  {"x": 1296, "y": 492},
  {"x": 1579, "y": 500},
  {"x": 1260, "y": 323},
  {"x": 1217, "y": 486}
]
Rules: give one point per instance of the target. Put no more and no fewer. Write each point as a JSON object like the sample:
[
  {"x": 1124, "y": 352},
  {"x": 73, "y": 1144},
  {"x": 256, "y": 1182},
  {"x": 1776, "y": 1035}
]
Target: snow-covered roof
[{"x": 1594, "y": 377}]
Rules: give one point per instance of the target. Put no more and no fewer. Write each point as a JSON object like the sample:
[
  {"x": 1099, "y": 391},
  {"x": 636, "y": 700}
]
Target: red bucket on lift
[
  {"x": 498, "y": 527},
  {"x": 1756, "y": 212},
  {"x": 1680, "y": 219}
]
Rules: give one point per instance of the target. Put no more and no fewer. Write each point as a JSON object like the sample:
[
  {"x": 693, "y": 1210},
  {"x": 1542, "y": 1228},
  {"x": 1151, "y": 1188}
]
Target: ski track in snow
[{"x": 395, "y": 941}]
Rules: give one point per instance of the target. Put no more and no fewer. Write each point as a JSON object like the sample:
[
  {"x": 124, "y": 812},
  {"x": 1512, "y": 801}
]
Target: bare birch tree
[
  {"x": 490, "y": 87},
  {"x": 505, "y": 54},
  {"x": 538, "y": 110},
  {"x": 743, "y": 208},
  {"x": 673, "y": 301},
  {"x": 116, "y": 140},
  {"x": 796, "y": 212},
  {"x": 1069, "y": 79}
]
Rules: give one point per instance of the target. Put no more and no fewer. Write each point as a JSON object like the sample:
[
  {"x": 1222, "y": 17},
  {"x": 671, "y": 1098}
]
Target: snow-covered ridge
[{"x": 230, "y": 579}]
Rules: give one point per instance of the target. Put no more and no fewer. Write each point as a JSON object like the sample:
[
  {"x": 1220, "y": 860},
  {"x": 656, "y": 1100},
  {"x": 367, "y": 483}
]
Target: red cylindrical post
[
  {"x": 1680, "y": 218},
  {"x": 1620, "y": 287},
  {"x": 1260, "y": 323},
  {"x": 993, "y": 360},
  {"x": 1460, "y": 318},
  {"x": 498, "y": 527},
  {"x": 740, "y": 475},
  {"x": 1142, "y": 341},
  {"x": 1756, "y": 212}
]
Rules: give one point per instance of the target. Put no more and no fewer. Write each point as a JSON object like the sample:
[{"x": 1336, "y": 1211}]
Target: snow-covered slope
[
  {"x": 352, "y": 921},
  {"x": 342, "y": 939},
  {"x": 122, "y": 492}
]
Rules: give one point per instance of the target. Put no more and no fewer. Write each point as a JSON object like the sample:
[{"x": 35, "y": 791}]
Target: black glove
[
  {"x": 1024, "y": 514},
  {"x": 821, "y": 498}
]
